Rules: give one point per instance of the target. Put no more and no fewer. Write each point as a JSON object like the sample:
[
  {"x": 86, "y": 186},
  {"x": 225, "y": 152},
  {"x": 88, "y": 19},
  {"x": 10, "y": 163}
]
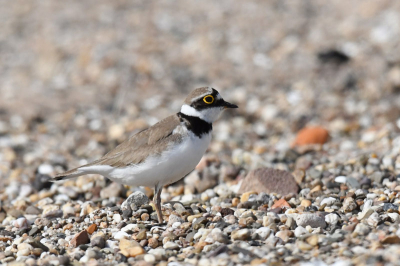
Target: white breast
[{"x": 173, "y": 164}]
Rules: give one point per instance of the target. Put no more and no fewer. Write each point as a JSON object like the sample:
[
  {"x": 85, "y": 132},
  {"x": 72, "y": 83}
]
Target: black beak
[{"x": 229, "y": 105}]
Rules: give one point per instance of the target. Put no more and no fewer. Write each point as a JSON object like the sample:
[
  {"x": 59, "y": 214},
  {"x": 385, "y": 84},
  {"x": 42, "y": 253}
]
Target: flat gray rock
[{"x": 269, "y": 180}]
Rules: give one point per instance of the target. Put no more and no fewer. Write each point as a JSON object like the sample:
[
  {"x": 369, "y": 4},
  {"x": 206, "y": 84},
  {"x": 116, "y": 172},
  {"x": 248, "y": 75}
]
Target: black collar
[{"x": 195, "y": 124}]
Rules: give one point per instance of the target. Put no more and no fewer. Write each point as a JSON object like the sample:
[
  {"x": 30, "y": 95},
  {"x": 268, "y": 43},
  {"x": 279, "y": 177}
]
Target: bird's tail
[{"x": 68, "y": 174}]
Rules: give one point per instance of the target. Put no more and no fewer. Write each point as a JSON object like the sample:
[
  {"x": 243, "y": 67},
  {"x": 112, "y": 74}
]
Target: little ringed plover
[{"x": 165, "y": 152}]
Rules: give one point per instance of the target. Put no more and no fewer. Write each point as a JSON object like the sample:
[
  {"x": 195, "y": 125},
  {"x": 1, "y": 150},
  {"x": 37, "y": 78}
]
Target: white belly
[{"x": 172, "y": 165}]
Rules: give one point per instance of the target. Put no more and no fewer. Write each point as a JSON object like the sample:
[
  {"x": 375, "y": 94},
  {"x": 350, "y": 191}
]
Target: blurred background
[{"x": 77, "y": 77}]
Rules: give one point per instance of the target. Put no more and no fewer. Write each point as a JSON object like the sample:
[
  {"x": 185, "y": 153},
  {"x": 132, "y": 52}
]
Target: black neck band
[{"x": 195, "y": 124}]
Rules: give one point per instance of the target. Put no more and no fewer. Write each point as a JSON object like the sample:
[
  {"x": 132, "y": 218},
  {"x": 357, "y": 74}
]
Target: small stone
[
  {"x": 263, "y": 232},
  {"x": 311, "y": 135},
  {"x": 305, "y": 203},
  {"x": 226, "y": 211},
  {"x": 130, "y": 248},
  {"x": 32, "y": 210},
  {"x": 246, "y": 195},
  {"x": 392, "y": 239},
  {"x": 284, "y": 235},
  {"x": 137, "y": 198},
  {"x": 98, "y": 241},
  {"x": 80, "y": 239},
  {"x": 299, "y": 231},
  {"x": 171, "y": 245},
  {"x": 117, "y": 218},
  {"x": 349, "y": 204},
  {"x": 242, "y": 234},
  {"x": 174, "y": 219},
  {"x": 303, "y": 246},
  {"x": 121, "y": 235},
  {"x": 312, "y": 240},
  {"x": 332, "y": 219},
  {"x": 150, "y": 258},
  {"x": 362, "y": 229},
  {"x": 340, "y": 179},
  {"x": 23, "y": 252},
  {"x": 153, "y": 243},
  {"x": 328, "y": 201},
  {"x": 299, "y": 175},
  {"x": 33, "y": 231},
  {"x": 235, "y": 202},
  {"x": 282, "y": 203},
  {"x": 91, "y": 228},
  {"x": 310, "y": 219}
]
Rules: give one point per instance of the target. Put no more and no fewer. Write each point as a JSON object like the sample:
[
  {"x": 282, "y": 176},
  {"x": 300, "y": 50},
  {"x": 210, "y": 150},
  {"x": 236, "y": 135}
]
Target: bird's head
[{"x": 205, "y": 103}]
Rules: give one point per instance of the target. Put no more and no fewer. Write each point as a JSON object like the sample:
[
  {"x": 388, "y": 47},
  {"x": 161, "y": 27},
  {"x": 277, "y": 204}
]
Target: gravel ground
[{"x": 78, "y": 77}]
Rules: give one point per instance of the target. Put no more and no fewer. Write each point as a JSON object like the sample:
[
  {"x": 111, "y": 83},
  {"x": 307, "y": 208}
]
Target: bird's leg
[{"x": 157, "y": 202}]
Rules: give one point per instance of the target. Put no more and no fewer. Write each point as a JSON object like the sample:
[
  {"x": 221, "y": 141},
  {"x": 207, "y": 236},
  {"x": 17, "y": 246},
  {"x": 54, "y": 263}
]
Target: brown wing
[{"x": 138, "y": 147}]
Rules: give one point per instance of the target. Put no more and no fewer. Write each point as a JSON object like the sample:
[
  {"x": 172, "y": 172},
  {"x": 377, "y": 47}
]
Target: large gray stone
[{"x": 270, "y": 181}]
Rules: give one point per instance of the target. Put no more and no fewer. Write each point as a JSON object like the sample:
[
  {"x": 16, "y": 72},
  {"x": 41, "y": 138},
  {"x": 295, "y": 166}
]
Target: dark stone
[
  {"x": 7, "y": 233},
  {"x": 365, "y": 183},
  {"x": 332, "y": 184},
  {"x": 219, "y": 250},
  {"x": 114, "y": 209},
  {"x": 269, "y": 180},
  {"x": 42, "y": 182},
  {"x": 33, "y": 210},
  {"x": 83, "y": 247},
  {"x": 226, "y": 211},
  {"x": 333, "y": 56},
  {"x": 61, "y": 235},
  {"x": 262, "y": 198},
  {"x": 199, "y": 221},
  {"x": 311, "y": 208},
  {"x": 22, "y": 231},
  {"x": 37, "y": 244},
  {"x": 98, "y": 241},
  {"x": 121, "y": 258},
  {"x": 63, "y": 260},
  {"x": 276, "y": 210},
  {"x": 221, "y": 225},
  {"x": 121, "y": 225},
  {"x": 390, "y": 206},
  {"x": 249, "y": 205}
]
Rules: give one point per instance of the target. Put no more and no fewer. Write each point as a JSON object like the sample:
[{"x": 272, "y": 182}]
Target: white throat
[{"x": 209, "y": 115}]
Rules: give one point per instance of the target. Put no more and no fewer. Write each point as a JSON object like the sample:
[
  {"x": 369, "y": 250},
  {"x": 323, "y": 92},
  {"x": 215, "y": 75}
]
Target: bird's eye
[{"x": 209, "y": 99}]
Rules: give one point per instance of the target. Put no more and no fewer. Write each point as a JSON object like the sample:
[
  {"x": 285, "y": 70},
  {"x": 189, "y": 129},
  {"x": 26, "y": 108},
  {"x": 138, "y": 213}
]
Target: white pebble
[
  {"x": 332, "y": 219},
  {"x": 340, "y": 179},
  {"x": 117, "y": 218},
  {"x": 120, "y": 235}
]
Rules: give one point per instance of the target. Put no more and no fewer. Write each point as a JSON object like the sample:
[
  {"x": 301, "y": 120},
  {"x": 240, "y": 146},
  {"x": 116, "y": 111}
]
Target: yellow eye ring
[{"x": 209, "y": 99}]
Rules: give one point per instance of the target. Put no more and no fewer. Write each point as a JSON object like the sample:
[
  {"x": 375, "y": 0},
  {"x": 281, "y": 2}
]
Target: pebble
[
  {"x": 80, "y": 239},
  {"x": 242, "y": 234},
  {"x": 332, "y": 219},
  {"x": 310, "y": 219},
  {"x": 137, "y": 198},
  {"x": 130, "y": 248}
]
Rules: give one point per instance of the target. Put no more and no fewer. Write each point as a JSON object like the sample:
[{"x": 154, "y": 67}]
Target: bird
[{"x": 163, "y": 153}]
